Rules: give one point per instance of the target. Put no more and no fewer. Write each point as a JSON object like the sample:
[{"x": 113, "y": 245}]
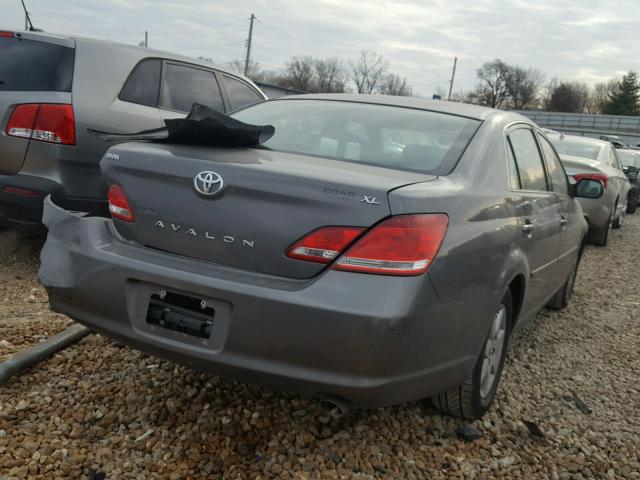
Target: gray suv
[{"x": 53, "y": 88}]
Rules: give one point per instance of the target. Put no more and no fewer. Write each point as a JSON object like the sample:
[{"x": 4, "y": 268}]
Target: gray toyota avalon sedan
[{"x": 376, "y": 250}]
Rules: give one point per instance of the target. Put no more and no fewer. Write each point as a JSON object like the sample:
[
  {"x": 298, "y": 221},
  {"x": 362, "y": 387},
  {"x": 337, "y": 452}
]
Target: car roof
[
  {"x": 443, "y": 106},
  {"x": 142, "y": 51}
]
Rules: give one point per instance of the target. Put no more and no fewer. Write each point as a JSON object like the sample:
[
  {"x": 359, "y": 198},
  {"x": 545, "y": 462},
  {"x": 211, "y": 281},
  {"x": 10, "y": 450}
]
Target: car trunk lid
[{"x": 268, "y": 201}]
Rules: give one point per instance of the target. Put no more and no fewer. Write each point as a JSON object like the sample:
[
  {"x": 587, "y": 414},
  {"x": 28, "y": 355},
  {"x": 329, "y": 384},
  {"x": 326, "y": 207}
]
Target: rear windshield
[
  {"x": 576, "y": 148},
  {"x": 27, "y": 65},
  {"x": 629, "y": 159},
  {"x": 387, "y": 136}
]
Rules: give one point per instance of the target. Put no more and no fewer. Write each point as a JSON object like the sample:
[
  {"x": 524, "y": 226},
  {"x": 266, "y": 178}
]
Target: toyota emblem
[{"x": 208, "y": 183}]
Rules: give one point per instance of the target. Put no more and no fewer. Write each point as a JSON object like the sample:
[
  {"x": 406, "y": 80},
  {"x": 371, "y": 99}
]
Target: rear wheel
[
  {"x": 474, "y": 396},
  {"x": 632, "y": 204},
  {"x": 618, "y": 222},
  {"x": 600, "y": 236},
  {"x": 563, "y": 296}
]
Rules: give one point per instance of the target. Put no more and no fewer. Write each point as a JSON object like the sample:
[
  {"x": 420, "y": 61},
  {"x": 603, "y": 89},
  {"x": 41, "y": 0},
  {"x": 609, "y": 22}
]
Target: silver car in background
[{"x": 590, "y": 158}]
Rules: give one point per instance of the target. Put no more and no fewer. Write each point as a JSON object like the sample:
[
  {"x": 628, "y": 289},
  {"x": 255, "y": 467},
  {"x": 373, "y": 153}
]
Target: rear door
[
  {"x": 571, "y": 217},
  {"x": 538, "y": 215},
  {"x": 183, "y": 85},
  {"x": 33, "y": 69}
]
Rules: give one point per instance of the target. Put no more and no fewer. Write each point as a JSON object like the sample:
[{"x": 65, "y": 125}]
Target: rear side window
[
  {"x": 556, "y": 173},
  {"x": 183, "y": 86},
  {"x": 240, "y": 94},
  {"x": 143, "y": 85},
  {"x": 381, "y": 135},
  {"x": 528, "y": 160},
  {"x": 28, "y": 65}
]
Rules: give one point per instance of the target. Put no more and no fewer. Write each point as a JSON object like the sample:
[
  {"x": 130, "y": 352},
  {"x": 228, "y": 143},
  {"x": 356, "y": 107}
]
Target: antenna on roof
[{"x": 28, "y": 23}]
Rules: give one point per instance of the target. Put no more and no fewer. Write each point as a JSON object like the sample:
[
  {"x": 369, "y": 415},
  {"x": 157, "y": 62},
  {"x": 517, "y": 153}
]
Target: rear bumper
[
  {"x": 370, "y": 340},
  {"x": 21, "y": 200}
]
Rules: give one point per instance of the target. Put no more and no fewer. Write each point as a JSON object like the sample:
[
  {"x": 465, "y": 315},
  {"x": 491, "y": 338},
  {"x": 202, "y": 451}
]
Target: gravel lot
[{"x": 98, "y": 409}]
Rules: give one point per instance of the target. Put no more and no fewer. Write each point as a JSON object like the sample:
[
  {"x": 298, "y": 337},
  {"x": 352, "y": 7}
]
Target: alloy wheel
[{"x": 493, "y": 349}]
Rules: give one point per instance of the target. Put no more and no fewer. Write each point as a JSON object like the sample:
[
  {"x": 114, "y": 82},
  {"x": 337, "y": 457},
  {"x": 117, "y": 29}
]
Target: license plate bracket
[{"x": 181, "y": 313}]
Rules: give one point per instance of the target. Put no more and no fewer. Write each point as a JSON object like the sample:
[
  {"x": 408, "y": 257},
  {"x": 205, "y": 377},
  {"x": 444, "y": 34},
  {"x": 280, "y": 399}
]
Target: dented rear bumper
[{"x": 371, "y": 340}]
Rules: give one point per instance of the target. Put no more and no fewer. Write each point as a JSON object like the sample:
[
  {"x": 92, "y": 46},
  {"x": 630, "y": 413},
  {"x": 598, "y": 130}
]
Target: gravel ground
[{"x": 568, "y": 407}]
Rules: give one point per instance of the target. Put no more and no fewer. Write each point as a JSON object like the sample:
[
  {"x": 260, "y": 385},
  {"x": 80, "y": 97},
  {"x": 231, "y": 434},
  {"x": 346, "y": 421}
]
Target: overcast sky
[{"x": 585, "y": 40}]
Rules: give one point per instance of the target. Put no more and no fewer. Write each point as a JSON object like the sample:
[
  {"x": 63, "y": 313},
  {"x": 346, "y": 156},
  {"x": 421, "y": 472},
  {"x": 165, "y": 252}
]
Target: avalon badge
[{"x": 208, "y": 183}]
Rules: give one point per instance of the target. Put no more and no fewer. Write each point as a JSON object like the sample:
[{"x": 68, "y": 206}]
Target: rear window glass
[
  {"x": 576, "y": 148},
  {"x": 387, "y": 136},
  {"x": 240, "y": 94},
  {"x": 27, "y": 65},
  {"x": 143, "y": 85},
  {"x": 629, "y": 159},
  {"x": 184, "y": 86}
]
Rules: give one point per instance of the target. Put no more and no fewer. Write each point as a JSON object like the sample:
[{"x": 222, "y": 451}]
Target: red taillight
[
  {"x": 6, "y": 34},
  {"x": 47, "y": 122},
  {"x": 324, "y": 244},
  {"x": 401, "y": 245},
  {"x": 119, "y": 205},
  {"x": 601, "y": 177},
  {"x": 22, "y": 121}
]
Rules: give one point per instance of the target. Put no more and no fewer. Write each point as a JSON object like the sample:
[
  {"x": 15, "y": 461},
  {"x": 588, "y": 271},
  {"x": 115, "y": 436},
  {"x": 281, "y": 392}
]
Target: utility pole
[
  {"x": 246, "y": 60},
  {"x": 453, "y": 76},
  {"x": 146, "y": 39}
]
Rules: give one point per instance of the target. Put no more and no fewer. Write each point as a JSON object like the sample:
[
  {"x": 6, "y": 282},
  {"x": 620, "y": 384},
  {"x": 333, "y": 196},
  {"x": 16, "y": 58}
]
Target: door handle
[
  {"x": 563, "y": 222},
  {"x": 527, "y": 227}
]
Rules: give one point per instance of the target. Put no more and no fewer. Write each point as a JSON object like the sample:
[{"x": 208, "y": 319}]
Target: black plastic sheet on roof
[{"x": 202, "y": 126}]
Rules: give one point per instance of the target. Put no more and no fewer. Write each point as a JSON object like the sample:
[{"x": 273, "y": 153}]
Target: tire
[
  {"x": 617, "y": 222},
  {"x": 632, "y": 204},
  {"x": 563, "y": 296},
  {"x": 473, "y": 398},
  {"x": 600, "y": 236}
]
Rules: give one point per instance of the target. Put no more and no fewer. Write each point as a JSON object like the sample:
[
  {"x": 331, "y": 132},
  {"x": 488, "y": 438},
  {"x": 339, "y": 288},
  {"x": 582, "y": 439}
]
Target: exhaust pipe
[{"x": 335, "y": 407}]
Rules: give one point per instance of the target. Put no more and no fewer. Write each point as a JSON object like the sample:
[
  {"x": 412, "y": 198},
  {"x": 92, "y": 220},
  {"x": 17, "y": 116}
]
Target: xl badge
[{"x": 208, "y": 183}]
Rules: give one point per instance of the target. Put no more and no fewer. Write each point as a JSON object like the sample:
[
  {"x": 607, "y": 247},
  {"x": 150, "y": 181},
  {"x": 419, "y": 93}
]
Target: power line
[{"x": 205, "y": 47}]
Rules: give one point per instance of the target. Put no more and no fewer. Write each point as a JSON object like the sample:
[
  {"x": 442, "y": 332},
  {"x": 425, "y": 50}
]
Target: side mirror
[
  {"x": 588, "y": 188},
  {"x": 625, "y": 169}
]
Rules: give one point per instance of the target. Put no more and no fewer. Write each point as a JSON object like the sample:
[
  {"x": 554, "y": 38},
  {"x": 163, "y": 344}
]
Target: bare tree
[
  {"x": 600, "y": 95},
  {"x": 254, "y": 72},
  {"x": 395, "y": 85},
  {"x": 299, "y": 74},
  {"x": 492, "y": 91},
  {"x": 369, "y": 71},
  {"x": 523, "y": 87},
  {"x": 330, "y": 75},
  {"x": 570, "y": 97}
]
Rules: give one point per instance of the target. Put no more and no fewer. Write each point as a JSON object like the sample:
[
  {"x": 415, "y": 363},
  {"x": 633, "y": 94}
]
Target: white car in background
[{"x": 585, "y": 157}]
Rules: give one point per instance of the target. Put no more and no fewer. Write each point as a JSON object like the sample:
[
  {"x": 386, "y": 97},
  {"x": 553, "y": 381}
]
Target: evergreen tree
[{"x": 625, "y": 98}]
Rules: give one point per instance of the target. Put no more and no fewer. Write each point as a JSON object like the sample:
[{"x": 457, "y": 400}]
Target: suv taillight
[
  {"x": 45, "y": 122},
  {"x": 119, "y": 205},
  {"x": 400, "y": 245}
]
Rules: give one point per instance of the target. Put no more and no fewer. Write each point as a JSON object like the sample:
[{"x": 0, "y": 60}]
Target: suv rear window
[
  {"x": 143, "y": 85},
  {"x": 28, "y": 65},
  {"x": 382, "y": 135},
  {"x": 183, "y": 86}
]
